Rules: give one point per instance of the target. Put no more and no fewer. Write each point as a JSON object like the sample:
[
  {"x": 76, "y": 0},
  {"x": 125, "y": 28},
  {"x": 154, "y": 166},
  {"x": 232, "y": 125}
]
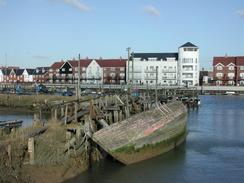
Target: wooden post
[
  {"x": 76, "y": 110},
  {"x": 110, "y": 117},
  {"x": 66, "y": 115},
  {"x": 31, "y": 150},
  {"x": 62, "y": 110},
  {"x": 55, "y": 114},
  {"x": 127, "y": 112},
  {"x": 120, "y": 116},
  {"x": 116, "y": 117}
]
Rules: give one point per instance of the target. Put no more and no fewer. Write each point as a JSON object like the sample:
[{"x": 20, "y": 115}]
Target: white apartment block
[
  {"x": 188, "y": 65},
  {"x": 145, "y": 65},
  {"x": 180, "y": 68}
]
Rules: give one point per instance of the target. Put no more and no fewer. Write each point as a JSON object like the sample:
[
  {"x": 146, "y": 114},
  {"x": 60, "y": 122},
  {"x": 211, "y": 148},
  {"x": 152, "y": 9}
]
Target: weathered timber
[
  {"x": 144, "y": 135},
  {"x": 38, "y": 132}
]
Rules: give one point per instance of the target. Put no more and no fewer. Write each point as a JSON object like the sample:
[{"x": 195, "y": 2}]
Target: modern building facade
[
  {"x": 142, "y": 70},
  {"x": 188, "y": 65},
  {"x": 178, "y": 68},
  {"x": 228, "y": 70}
]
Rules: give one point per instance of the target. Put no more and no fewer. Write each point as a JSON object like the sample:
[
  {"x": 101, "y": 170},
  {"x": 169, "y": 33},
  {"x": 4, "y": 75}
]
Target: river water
[
  {"x": 213, "y": 152},
  {"x": 26, "y": 117}
]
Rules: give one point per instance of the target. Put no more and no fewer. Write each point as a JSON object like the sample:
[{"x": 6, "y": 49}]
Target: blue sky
[{"x": 39, "y": 32}]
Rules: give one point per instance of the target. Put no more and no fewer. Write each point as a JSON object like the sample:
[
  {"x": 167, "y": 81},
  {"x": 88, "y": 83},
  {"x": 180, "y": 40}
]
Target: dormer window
[
  {"x": 231, "y": 68},
  {"x": 219, "y": 67}
]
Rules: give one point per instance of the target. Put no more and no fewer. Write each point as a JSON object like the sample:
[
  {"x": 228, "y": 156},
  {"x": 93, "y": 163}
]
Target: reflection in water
[{"x": 213, "y": 151}]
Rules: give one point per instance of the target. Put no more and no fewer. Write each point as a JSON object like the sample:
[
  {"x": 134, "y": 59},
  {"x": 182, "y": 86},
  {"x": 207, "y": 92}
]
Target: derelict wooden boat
[{"x": 145, "y": 135}]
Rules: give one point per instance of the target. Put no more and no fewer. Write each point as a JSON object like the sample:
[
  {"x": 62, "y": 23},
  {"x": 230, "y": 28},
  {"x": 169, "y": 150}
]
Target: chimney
[
  {"x": 100, "y": 58},
  {"x": 226, "y": 55}
]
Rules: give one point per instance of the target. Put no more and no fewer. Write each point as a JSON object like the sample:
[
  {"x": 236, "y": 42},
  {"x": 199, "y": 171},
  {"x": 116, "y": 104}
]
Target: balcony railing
[
  {"x": 150, "y": 70},
  {"x": 169, "y": 78},
  {"x": 169, "y": 70},
  {"x": 150, "y": 78}
]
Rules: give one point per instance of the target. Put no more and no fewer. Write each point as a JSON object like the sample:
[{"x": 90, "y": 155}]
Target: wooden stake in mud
[{"x": 31, "y": 150}]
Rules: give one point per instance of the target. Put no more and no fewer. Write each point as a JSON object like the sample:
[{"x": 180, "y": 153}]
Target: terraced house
[
  {"x": 228, "y": 70},
  {"x": 92, "y": 71}
]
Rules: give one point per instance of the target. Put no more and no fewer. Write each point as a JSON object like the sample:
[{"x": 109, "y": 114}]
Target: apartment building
[
  {"x": 228, "y": 70},
  {"x": 176, "y": 68}
]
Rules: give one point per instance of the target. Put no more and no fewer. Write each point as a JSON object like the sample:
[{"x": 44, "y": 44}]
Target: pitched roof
[
  {"x": 83, "y": 62},
  {"x": 6, "y": 71},
  {"x": 227, "y": 60},
  {"x": 30, "y": 71},
  {"x": 111, "y": 62},
  {"x": 19, "y": 72},
  {"x": 223, "y": 60},
  {"x": 240, "y": 61},
  {"x": 159, "y": 56},
  {"x": 57, "y": 65},
  {"x": 188, "y": 44}
]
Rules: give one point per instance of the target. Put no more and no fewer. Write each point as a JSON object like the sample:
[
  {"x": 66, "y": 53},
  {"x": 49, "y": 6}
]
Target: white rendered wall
[
  {"x": 94, "y": 71},
  {"x": 145, "y": 71},
  {"x": 186, "y": 70}
]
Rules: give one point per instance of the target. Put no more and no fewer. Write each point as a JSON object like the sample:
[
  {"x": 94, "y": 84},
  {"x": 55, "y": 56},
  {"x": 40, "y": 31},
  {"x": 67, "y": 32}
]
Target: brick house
[
  {"x": 54, "y": 72},
  {"x": 40, "y": 74},
  {"x": 228, "y": 70},
  {"x": 113, "y": 70}
]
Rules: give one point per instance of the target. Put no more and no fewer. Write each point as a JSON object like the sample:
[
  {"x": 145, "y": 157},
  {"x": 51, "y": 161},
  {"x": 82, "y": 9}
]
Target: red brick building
[
  {"x": 228, "y": 70},
  {"x": 113, "y": 70}
]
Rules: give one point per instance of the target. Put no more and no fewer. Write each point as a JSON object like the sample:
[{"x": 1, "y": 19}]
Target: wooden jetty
[{"x": 122, "y": 125}]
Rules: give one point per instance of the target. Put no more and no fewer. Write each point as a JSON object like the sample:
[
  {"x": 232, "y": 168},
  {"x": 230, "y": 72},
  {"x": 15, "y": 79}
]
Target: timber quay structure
[
  {"x": 128, "y": 128},
  {"x": 239, "y": 90}
]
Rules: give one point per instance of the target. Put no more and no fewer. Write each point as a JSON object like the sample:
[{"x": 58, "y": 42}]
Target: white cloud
[
  {"x": 76, "y": 4},
  {"x": 241, "y": 13},
  {"x": 152, "y": 10}
]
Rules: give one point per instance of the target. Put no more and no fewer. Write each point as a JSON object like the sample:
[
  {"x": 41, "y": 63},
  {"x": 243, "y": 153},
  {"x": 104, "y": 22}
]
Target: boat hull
[{"x": 145, "y": 135}]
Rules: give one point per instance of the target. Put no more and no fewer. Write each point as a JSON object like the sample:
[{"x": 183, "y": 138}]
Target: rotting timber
[
  {"x": 145, "y": 135},
  {"x": 128, "y": 128},
  {"x": 74, "y": 138}
]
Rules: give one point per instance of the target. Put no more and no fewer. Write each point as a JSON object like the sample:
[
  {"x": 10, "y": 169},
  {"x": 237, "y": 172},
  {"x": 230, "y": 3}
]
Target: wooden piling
[
  {"x": 66, "y": 114},
  {"x": 31, "y": 150}
]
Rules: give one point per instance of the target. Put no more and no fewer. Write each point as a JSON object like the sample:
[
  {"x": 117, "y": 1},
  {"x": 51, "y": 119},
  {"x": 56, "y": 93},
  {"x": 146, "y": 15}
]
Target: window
[
  {"x": 231, "y": 75},
  {"x": 219, "y": 74},
  {"x": 242, "y": 68},
  {"x": 190, "y": 49},
  {"x": 242, "y": 75},
  {"x": 219, "y": 67},
  {"x": 231, "y": 68},
  {"x": 70, "y": 69}
]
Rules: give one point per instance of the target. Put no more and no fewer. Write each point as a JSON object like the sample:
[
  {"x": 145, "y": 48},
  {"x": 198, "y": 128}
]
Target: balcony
[
  {"x": 135, "y": 71},
  {"x": 169, "y": 78},
  {"x": 150, "y": 70},
  {"x": 169, "y": 70},
  {"x": 150, "y": 78}
]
